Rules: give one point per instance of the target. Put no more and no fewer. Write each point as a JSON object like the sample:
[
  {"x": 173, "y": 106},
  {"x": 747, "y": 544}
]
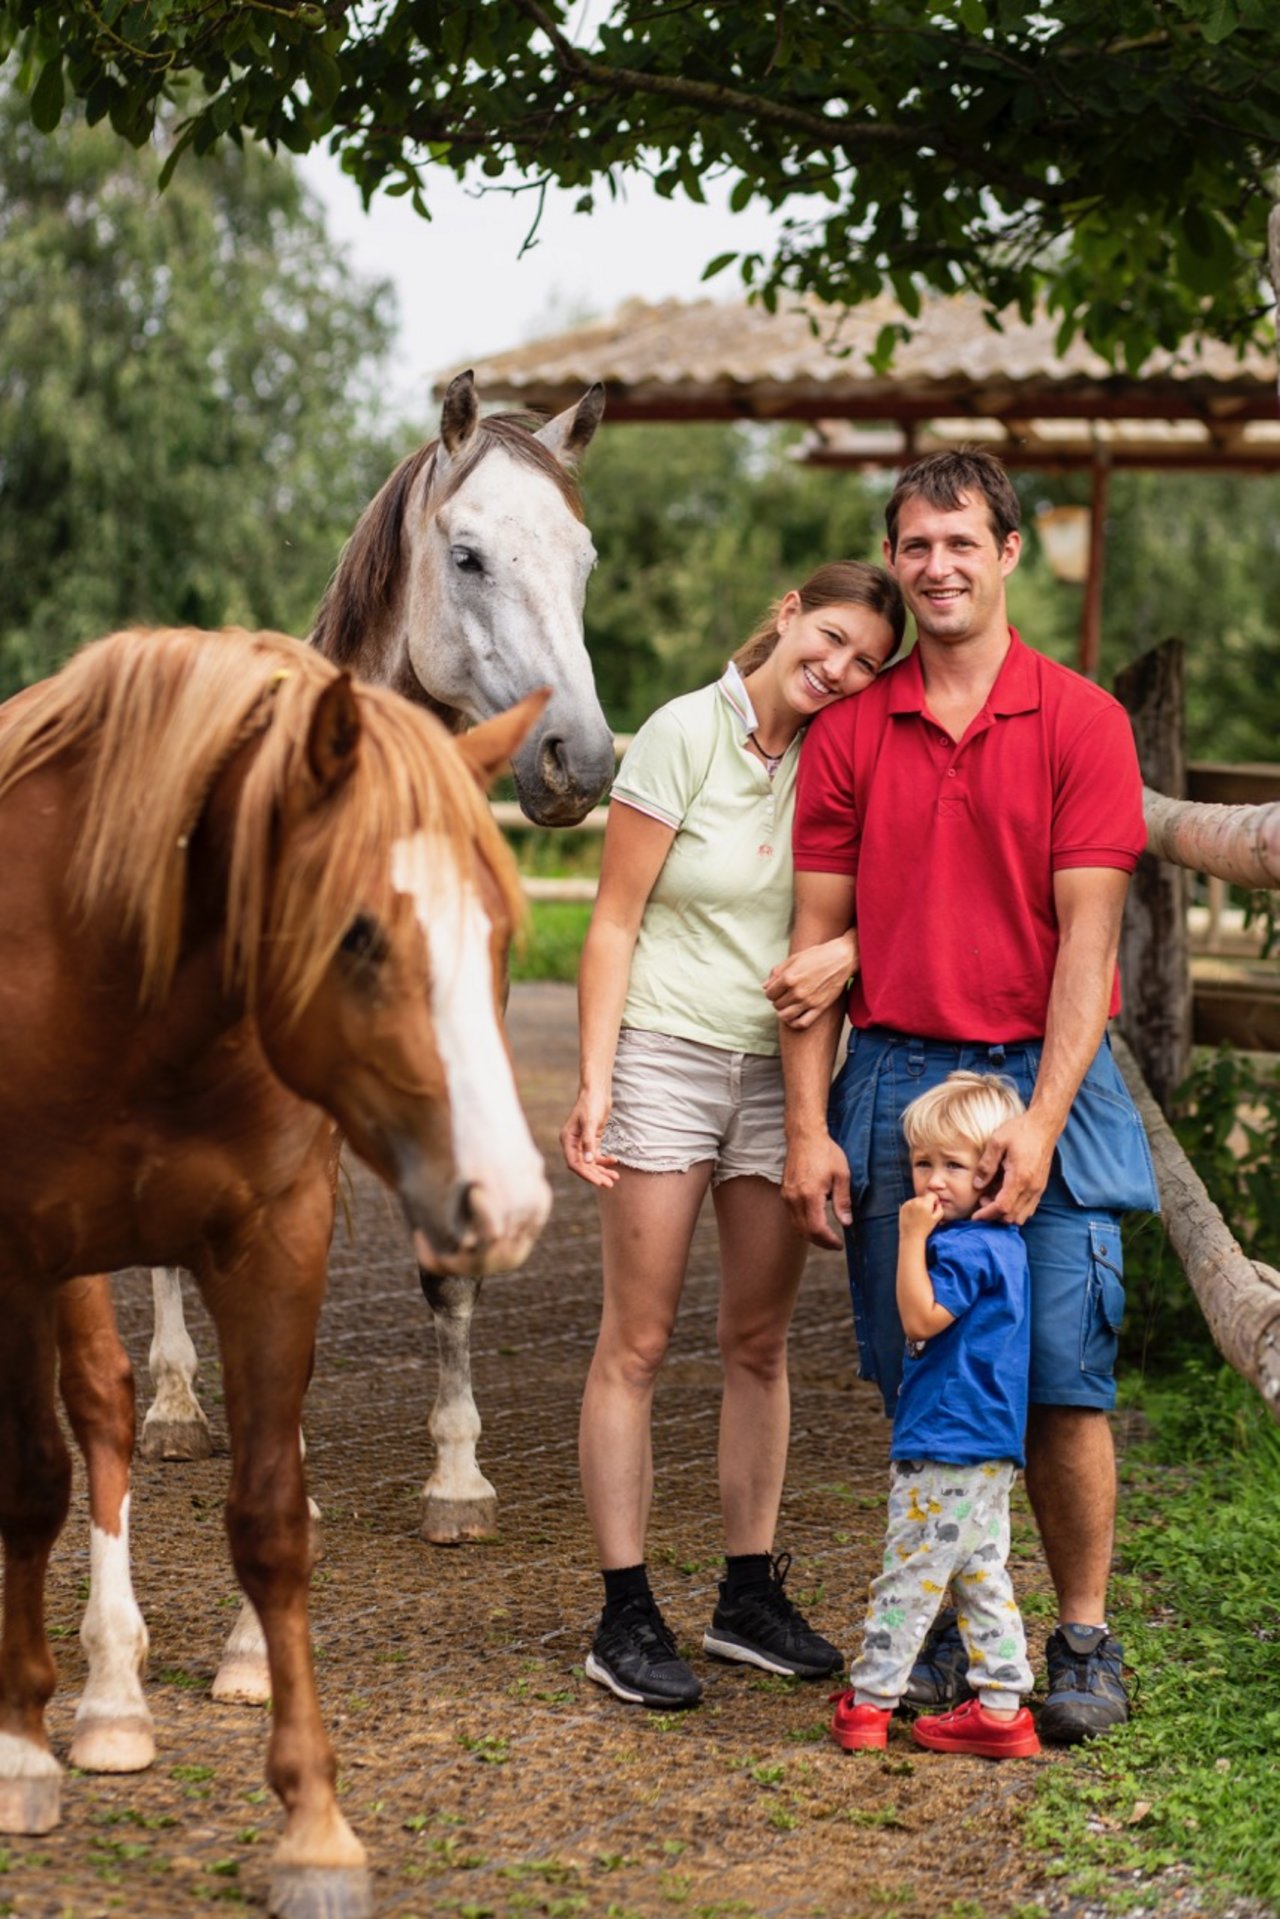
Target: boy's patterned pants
[{"x": 947, "y": 1525}]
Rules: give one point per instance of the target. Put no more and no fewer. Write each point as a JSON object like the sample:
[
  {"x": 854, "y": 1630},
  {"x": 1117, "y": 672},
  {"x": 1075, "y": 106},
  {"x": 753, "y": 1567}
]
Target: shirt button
[{"x": 951, "y": 772}]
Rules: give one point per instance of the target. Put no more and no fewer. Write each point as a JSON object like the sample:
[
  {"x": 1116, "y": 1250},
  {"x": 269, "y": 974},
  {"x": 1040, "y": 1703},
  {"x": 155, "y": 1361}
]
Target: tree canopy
[
  {"x": 185, "y": 394},
  {"x": 1115, "y": 157}
]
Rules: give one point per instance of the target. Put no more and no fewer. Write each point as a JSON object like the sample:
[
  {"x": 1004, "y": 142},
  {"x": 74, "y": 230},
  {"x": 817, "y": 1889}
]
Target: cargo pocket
[
  {"x": 1103, "y": 1152},
  {"x": 1104, "y": 1299}
]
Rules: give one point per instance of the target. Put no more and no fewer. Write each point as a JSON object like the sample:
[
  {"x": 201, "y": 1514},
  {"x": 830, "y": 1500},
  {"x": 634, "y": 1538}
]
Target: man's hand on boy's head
[
  {"x": 1013, "y": 1169},
  {"x": 917, "y": 1217}
]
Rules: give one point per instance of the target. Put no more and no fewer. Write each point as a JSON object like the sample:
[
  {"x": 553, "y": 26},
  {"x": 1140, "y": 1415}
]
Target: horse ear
[
  {"x": 569, "y": 435},
  {"x": 488, "y": 747},
  {"x": 334, "y": 736},
  {"x": 460, "y": 414}
]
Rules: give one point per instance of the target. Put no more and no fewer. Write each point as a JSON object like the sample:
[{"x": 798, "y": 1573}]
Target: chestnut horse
[
  {"x": 242, "y": 900},
  {"x": 462, "y": 587}
]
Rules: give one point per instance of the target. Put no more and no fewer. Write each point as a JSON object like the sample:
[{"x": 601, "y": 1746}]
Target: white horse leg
[
  {"x": 175, "y": 1426},
  {"x": 458, "y": 1503},
  {"x": 242, "y": 1678},
  {"x": 113, "y": 1728}
]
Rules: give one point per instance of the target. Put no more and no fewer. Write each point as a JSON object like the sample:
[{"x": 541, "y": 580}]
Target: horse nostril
[{"x": 555, "y": 766}]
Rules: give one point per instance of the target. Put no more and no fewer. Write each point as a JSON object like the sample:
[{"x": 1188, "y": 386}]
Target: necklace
[{"x": 772, "y": 761}]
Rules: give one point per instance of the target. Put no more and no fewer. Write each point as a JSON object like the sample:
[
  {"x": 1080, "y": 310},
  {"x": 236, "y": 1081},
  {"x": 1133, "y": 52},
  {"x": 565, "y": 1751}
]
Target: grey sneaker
[
  {"x": 635, "y": 1657},
  {"x": 940, "y": 1676},
  {"x": 1086, "y": 1693},
  {"x": 760, "y": 1626}
]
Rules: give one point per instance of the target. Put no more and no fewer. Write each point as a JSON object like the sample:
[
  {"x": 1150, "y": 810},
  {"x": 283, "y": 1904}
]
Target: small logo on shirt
[{"x": 764, "y": 852}]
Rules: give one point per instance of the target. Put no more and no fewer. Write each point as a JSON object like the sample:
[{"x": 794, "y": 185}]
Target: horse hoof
[
  {"x": 175, "y": 1439},
  {"x": 30, "y": 1805},
  {"x": 453, "y": 1522},
  {"x": 113, "y": 1745},
  {"x": 320, "y": 1892},
  {"x": 242, "y": 1682}
]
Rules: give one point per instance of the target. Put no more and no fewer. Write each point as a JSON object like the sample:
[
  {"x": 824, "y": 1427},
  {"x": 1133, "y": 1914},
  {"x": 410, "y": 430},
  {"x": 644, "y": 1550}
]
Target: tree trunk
[
  {"x": 1239, "y": 1296},
  {"x": 1154, "y": 967}
]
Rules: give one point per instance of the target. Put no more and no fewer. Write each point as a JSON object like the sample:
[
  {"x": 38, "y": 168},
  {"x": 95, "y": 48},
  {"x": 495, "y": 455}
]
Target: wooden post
[
  {"x": 1155, "y": 970},
  {"x": 1091, "y": 610}
]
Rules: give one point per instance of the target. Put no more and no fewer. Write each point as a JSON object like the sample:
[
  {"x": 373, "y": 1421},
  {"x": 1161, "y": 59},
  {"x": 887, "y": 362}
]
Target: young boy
[{"x": 957, "y": 1440}]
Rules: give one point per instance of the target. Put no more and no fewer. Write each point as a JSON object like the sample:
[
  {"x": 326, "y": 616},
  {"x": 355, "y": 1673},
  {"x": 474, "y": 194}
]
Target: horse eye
[
  {"x": 365, "y": 940},
  {"x": 466, "y": 559}
]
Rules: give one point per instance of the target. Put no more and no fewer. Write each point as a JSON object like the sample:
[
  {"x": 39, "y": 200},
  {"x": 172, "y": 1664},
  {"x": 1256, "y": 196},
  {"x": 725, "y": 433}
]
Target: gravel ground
[{"x": 483, "y": 1772}]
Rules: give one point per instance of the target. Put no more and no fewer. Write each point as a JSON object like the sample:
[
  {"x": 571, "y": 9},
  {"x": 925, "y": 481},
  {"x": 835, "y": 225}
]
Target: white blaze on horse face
[{"x": 496, "y": 1161}]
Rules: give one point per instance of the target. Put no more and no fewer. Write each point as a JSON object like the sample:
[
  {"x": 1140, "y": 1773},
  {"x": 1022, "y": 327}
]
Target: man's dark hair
[{"x": 945, "y": 479}]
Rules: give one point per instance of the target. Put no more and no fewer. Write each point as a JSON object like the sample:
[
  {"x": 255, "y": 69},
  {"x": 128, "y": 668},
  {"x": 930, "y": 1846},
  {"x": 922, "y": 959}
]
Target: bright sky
[{"x": 465, "y": 291}]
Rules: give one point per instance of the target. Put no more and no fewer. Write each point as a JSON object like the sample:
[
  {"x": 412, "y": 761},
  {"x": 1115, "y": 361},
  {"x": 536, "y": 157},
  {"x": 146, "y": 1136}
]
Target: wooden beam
[
  {"x": 1091, "y": 609},
  {"x": 1239, "y": 1296},
  {"x": 1242, "y": 1013},
  {"x": 1248, "y": 783},
  {"x": 1238, "y": 843}
]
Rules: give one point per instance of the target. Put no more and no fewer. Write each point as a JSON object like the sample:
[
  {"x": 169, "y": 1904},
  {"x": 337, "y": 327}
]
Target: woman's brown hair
[{"x": 838, "y": 583}]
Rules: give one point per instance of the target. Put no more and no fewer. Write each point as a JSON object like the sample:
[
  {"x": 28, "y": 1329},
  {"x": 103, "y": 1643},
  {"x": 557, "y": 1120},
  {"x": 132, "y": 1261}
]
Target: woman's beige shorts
[{"x": 677, "y": 1103}]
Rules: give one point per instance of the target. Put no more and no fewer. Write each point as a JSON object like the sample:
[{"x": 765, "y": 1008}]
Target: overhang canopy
[{"x": 713, "y": 360}]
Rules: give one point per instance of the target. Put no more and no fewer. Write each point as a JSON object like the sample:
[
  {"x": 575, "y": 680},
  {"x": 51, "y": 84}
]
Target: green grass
[
  {"x": 552, "y": 942},
  {"x": 1191, "y": 1780}
]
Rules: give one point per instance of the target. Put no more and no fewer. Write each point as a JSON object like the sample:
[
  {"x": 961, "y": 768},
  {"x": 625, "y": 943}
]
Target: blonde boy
[{"x": 957, "y": 1440}]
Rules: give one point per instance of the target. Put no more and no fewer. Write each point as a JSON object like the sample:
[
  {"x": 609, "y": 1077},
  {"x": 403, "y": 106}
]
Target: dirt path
[{"x": 483, "y": 1772}]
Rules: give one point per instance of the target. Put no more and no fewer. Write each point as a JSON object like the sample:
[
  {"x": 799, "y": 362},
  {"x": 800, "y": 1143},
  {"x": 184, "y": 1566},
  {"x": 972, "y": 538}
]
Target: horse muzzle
[{"x": 477, "y": 1232}]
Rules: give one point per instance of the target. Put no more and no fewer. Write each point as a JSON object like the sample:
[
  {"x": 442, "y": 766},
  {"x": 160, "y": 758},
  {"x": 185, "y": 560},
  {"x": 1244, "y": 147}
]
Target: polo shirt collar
[
  {"x": 1017, "y": 687},
  {"x": 733, "y": 689}
]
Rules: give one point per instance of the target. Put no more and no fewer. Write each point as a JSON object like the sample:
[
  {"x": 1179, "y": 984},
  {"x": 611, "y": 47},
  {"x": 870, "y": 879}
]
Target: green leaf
[
  {"x": 324, "y": 76},
  {"x": 718, "y": 265},
  {"x": 48, "y": 96},
  {"x": 741, "y": 195}
]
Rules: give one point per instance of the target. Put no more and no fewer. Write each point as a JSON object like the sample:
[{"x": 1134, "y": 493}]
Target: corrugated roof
[{"x": 713, "y": 359}]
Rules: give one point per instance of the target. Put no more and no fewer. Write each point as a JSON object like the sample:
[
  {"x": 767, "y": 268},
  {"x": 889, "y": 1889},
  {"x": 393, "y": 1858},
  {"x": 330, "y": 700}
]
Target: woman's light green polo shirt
[{"x": 719, "y": 916}]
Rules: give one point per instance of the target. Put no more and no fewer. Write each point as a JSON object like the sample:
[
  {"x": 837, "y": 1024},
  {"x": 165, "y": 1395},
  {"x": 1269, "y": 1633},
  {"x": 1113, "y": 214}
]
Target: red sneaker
[
  {"x": 859, "y": 1728},
  {"x": 971, "y": 1728}
]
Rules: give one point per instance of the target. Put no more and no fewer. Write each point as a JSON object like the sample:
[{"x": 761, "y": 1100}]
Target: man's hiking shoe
[
  {"x": 859, "y": 1728},
  {"x": 635, "y": 1656},
  {"x": 1086, "y": 1692},
  {"x": 940, "y": 1676},
  {"x": 759, "y": 1626},
  {"x": 971, "y": 1728}
]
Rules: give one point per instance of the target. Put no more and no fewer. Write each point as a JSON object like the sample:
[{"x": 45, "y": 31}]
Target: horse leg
[
  {"x": 266, "y": 1318},
  {"x": 242, "y": 1678},
  {"x": 35, "y": 1489},
  {"x": 458, "y": 1503},
  {"x": 113, "y": 1730},
  {"x": 175, "y": 1426}
]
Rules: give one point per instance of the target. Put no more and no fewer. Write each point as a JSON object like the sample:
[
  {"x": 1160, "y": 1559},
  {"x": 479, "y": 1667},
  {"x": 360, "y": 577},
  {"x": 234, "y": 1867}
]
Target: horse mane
[
  {"x": 361, "y": 588},
  {"x": 157, "y": 717}
]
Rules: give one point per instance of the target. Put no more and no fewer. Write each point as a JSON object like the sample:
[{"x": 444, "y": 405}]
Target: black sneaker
[
  {"x": 940, "y": 1676},
  {"x": 760, "y": 1626},
  {"x": 1086, "y": 1692},
  {"x": 635, "y": 1656}
]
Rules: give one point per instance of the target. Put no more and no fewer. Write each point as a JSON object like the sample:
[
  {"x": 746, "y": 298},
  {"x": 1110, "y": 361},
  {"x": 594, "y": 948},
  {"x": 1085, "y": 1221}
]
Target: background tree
[
  {"x": 186, "y": 393},
  {"x": 697, "y": 529},
  {"x": 1116, "y": 154}
]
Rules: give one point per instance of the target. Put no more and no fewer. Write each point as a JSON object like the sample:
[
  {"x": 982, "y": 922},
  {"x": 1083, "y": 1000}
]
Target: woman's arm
[{"x": 635, "y": 847}]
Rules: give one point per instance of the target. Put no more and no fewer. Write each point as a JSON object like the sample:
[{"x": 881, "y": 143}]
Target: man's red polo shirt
[{"x": 954, "y": 847}]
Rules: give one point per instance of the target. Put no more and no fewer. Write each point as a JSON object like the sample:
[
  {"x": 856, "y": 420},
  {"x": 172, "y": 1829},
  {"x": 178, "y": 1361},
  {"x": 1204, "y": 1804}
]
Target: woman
[{"x": 679, "y": 1055}]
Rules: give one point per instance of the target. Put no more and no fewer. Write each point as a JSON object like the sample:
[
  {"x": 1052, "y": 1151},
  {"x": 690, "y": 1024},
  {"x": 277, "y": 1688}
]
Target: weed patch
[{"x": 1190, "y": 1781}]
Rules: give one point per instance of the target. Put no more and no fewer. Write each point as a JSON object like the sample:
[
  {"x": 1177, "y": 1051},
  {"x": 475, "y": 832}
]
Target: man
[{"x": 985, "y": 805}]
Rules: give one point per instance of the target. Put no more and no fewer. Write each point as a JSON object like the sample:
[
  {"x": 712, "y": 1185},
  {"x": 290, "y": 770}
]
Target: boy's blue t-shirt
[{"x": 963, "y": 1399}]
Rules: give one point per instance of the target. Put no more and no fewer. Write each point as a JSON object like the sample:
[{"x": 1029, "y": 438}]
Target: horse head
[
  {"x": 393, "y": 1024},
  {"x": 464, "y": 584}
]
